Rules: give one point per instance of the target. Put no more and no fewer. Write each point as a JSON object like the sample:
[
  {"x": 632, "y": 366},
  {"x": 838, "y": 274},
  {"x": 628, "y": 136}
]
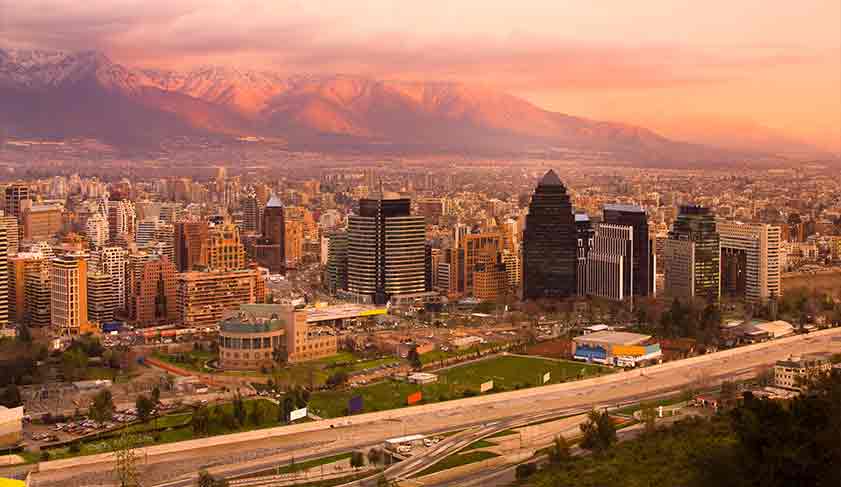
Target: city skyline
[{"x": 261, "y": 242}]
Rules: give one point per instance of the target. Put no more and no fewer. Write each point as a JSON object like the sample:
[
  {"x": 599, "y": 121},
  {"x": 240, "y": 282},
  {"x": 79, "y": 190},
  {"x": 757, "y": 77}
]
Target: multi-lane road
[{"x": 176, "y": 464}]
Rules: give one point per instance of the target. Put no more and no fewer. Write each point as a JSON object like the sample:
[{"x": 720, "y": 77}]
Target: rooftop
[
  {"x": 624, "y": 207},
  {"x": 550, "y": 179},
  {"x": 614, "y": 337},
  {"x": 274, "y": 202},
  {"x": 343, "y": 311}
]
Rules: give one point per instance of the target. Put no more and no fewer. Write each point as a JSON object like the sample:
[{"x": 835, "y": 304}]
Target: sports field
[{"x": 507, "y": 373}]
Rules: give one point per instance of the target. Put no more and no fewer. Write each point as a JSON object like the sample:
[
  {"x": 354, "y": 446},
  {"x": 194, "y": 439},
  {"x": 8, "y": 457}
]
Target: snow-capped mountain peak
[{"x": 42, "y": 69}]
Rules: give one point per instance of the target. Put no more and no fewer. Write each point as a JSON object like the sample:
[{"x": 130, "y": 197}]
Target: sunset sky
[{"x": 670, "y": 65}]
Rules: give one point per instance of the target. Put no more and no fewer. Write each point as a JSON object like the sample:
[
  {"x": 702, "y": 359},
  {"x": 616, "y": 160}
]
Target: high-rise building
[
  {"x": 69, "y": 294},
  {"x": 40, "y": 222},
  {"x": 697, "y": 224},
  {"x": 301, "y": 215},
  {"x": 146, "y": 231},
  {"x": 191, "y": 240},
  {"x": 386, "y": 250},
  {"x": 163, "y": 249},
  {"x": 225, "y": 251},
  {"x": 477, "y": 249},
  {"x": 679, "y": 268},
  {"x": 490, "y": 281},
  {"x": 204, "y": 297},
  {"x": 10, "y": 223},
  {"x": 293, "y": 244},
  {"x": 252, "y": 214},
  {"x": 113, "y": 261},
  {"x": 447, "y": 274},
  {"x": 102, "y": 298},
  {"x": 513, "y": 267},
  {"x": 165, "y": 232},
  {"x": 431, "y": 209},
  {"x": 4, "y": 278},
  {"x": 38, "y": 295},
  {"x": 584, "y": 231},
  {"x": 610, "y": 271},
  {"x": 337, "y": 262},
  {"x": 170, "y": 212},
  {"x": 550, "y": 243},
  {"x": 643, "y": 261},
  {"x": 153, "y": 300},
  {"x": 15, "y": 193},
  {"x": 269, "y": 251},
  {"x": 122, "y": 218},
  {"x": 19, "y": 266},
  {"x": 96, "y": 229},
  {"x": 750, "y": 260}
]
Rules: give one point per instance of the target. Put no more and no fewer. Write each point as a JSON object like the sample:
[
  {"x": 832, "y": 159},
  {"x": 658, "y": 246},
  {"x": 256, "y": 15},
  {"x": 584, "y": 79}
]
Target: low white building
[
  {"x": 422, "y": 378},
  {"x": 11, "y": 426},
  {"x": 791, "y": 372},
  {"x": 467, "y": 342}
]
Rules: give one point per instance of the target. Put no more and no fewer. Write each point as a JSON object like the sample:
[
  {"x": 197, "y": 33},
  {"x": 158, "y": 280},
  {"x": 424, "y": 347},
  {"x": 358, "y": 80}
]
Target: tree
[
  {"x": 729, "y": 393},
  {"x": 24, "y": 335},
  {"x": 102, "y": 407},
  {"x": 74, "y": 363},
  {"x": 778, "y": 444},
  {"x": 205, "y": 479},
  {"x": 144, "y": 407},
  {"x": 375, "y": 456},
  {"x": 208, "y": 480},
  {"x": 125, "y": 460},
  {"x": 599, "y": 434},
  {"x": 559, "y": 451},
  {"x": 200, "y": 420},
  {"x": 239, "y": 409},
  {"x": 279, "y": 356},
  {"x": 357, "y": 460},
  {"x": 338, "y": 378},
  {"x": 525, "y": 470},
  {"x": 414, "y": 358},
  {"x": 10, "y": 396},
  {"x": 765, "y": 376},
  {"x": 288, "y": 406},
  {"x": 648, "y": 414}
]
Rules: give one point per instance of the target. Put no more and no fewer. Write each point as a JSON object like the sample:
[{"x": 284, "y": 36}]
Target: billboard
[
  {"x": 354, "y": 405},
  {"x": 486, "y": 386},
  {"x": 298, "y": 414},
  {"x": 547, "y": 377},
  {"x": 414, "y": 398},
  {"x": 628, "y": 350}
]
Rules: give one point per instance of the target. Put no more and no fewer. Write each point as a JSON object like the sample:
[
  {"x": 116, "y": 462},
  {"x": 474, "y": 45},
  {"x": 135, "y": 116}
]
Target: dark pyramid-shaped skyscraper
[{"x": 550, "y": 243}]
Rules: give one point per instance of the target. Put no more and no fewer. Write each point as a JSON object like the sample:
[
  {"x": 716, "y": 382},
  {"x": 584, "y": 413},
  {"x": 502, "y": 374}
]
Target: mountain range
[{"x": 69, "y": 94}]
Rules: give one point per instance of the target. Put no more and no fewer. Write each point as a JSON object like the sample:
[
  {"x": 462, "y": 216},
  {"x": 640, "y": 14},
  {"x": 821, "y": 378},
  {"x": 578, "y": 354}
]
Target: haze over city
[{"x": 252, "y": 243}]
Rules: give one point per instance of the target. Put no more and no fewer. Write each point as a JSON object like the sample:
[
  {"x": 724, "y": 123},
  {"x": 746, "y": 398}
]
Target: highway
[{"x": 344, "y": 434}]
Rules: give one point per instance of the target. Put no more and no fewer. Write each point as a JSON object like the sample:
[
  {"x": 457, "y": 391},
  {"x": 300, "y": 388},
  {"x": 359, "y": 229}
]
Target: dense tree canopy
[{"x": 759, "y": 442}]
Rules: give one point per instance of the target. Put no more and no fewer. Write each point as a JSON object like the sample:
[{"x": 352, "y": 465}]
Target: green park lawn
[
  {"x": 193, "y": 360},
  {"x": 458, "y": 460},
  {"x": 508, "y": 373}
]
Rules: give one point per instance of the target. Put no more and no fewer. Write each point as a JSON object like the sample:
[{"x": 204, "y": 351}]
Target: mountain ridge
[{"x": 47, "y": 93}]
